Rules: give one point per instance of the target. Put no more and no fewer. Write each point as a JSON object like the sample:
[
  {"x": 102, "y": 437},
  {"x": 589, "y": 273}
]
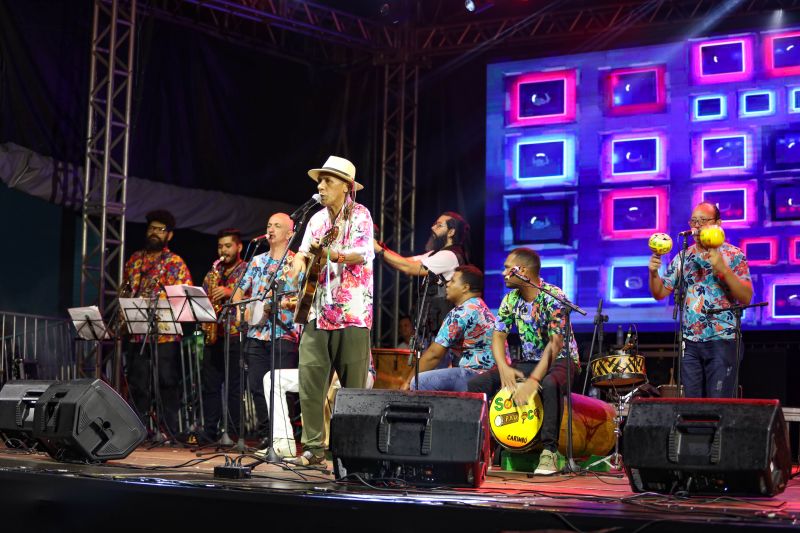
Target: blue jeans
[
  {"x": 708, "y": 369},
  {"x": 447, "y": 379}
]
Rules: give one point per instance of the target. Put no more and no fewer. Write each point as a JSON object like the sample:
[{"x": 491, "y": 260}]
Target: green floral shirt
[{"x": 535, "y": 321}]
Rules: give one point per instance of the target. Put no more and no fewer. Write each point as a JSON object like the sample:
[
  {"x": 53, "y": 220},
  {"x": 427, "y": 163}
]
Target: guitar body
[{"x": 306, "y": 295}]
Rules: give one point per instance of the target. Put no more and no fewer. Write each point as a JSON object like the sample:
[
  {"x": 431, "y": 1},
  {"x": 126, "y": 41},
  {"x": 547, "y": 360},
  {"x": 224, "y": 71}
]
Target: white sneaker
[{"x": 548, "y": 462}]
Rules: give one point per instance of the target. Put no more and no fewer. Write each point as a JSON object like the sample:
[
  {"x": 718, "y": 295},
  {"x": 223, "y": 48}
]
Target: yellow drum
[
  {"x": 618, "y": 371},
  {"x": 392, "y": 369},
  {"x": 517, "y": 428}
]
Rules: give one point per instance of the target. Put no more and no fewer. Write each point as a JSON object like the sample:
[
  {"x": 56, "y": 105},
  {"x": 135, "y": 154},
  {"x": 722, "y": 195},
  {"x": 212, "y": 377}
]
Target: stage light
[{"x": 477, "y": 6}]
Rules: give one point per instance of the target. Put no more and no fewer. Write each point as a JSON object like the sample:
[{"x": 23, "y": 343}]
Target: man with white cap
[{"x": 337, "y": 334}]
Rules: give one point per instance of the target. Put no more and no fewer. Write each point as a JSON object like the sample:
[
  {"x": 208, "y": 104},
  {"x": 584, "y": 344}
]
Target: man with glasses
[
  {"x": 146, "y": 272},
  {"x": 714, "y": 278}
]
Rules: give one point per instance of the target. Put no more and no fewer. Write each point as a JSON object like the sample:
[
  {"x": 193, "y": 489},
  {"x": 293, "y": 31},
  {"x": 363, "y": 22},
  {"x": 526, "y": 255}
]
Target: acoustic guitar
[{"x": 306, "y": 294}]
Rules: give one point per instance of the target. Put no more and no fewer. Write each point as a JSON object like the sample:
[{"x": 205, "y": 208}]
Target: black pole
[{"x": 678, "y": 308}]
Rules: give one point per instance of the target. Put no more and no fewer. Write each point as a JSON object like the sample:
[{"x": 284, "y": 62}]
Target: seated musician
[
  {"x": 540, "y": 322},
  {"x": 467, "y": 328}
]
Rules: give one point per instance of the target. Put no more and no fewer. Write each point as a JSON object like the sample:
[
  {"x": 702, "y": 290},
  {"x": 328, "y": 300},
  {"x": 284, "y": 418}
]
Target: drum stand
[{"x": 614, "y": 460}]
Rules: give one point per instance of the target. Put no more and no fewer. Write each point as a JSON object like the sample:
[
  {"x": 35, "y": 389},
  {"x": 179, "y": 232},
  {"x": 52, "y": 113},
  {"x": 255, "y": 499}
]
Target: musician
[
  {"x": 405, "y": 329},
  {"x": 337, "y": 335},
  {"x": 219, "y": 284},
  {"x": 715, "y": 278},
  {"x": 542, "y": 369},
  {"x": 145, "y": 274},
  {"x": 446, "y": 249},
  {"x": 467, "y": 328},
  {"x": 258, "y": 348}
]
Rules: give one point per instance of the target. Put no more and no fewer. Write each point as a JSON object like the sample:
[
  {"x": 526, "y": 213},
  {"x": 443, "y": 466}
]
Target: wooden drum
[
  {"x": 392, "y": 368},
  {"x": 618, "y": 371}
]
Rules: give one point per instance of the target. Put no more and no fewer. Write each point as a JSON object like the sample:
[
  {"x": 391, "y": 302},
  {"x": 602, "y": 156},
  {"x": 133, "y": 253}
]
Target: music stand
[
  {"x": 190, "y": 304},
  {"x": 89, "y": 327},
  {"x": 150, "y": 317}
]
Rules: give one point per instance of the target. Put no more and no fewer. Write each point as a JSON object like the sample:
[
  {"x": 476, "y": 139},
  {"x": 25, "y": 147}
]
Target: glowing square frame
[
  {"x": 769, "y": 56},
  {"x": 723, "y": 107},
  {"x": 607, "y": 162},
  {"x": 770, "y": 282},
  {"x": 615, "y": 262},
  {"x": 790, "y": 103},
  {"x": 794, "y": 259},
  {"x": 570, "y": 99},
  {"x": 743, "y": 99},
  {"x": 773, "y": 250},
  {"x": 750, "y": 189},
  {"x": 568, "y": 177},
  {"x": 747, "y": 61},
  {"x": 567, "y": 273},
  {"x": 612, "y": 79},
  {"x": 517, "y": 196},
  {"x": 698, "y": 165},
  {"x": 607, "y": 199}
]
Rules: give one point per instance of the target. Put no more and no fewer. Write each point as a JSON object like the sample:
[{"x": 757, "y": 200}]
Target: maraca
[
  {"x": 712, "y": 237},
  {"x": 660, "y": 243}
]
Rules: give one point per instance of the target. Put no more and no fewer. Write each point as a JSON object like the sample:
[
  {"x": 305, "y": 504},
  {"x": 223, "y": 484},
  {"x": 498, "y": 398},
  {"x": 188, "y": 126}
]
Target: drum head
[
  {"x": 515, "y": 428},
  {"x": 618, "y": 371}
]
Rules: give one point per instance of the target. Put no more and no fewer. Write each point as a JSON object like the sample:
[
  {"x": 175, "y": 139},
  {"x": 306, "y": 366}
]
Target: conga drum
[
  {"x": 518, "y": 428},
  {"x": 392, "y": 368}
]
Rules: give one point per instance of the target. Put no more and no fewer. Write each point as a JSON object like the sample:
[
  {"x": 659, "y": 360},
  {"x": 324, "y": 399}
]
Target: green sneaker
[{"x": 547, "y": 464}]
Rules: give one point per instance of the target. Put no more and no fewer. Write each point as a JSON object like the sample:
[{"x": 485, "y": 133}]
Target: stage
[{"x": 171, "y": 487}]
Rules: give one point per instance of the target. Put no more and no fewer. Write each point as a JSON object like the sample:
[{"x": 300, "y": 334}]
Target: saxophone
[{"x": 210, "y": 328}]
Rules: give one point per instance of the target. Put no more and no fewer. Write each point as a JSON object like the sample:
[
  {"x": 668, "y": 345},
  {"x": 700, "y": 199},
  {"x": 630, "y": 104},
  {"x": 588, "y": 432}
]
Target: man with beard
[
  {"x": 258, "y": 346},
  {"x": 145, "y": 274},
  {"x": 224, "y": 276},
  {"x": 542, "y": 369},
  {"x": 445, "y": 251}
]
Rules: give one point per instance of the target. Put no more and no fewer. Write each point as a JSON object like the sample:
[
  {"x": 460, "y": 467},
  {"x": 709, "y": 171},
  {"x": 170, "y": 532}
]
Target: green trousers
[{"x": 321, "y": 352}]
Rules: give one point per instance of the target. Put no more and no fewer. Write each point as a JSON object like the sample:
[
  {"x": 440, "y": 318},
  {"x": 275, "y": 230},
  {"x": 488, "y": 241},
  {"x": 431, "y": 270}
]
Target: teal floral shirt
[
  {"x": 468, "y": 328},
  {"x": 705, "y": 291},
  {"x": 535, "y": 321}
]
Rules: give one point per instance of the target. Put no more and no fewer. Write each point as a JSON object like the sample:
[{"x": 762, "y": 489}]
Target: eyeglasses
[
  {"x": 155, "y": 229},
  {"x": 699, "y": 221},
  {"x": 439, "y": 225}
]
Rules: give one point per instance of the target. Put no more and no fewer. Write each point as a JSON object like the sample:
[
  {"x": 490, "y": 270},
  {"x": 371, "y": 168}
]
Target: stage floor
[{"x": 172, "y": 487}]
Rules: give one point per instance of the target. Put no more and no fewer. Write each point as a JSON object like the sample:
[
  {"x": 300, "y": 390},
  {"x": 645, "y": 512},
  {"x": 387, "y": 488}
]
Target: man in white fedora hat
[{"x": 337, "y": 333}]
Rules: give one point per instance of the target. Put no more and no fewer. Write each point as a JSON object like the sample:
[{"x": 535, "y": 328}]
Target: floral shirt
[
  {"x": 706, "y": 292},
  {"x": 261, "y": 268},
  {"x": 535, "y": 321},
  {"x": 344, "y": 292},
  {"x": 145, "y": 274},
  {"x": 468, "y": 328},
  {"x": 230, "y": 281}
]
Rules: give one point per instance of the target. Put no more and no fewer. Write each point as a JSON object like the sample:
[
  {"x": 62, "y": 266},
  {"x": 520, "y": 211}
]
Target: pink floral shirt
[{"x": 344, "y": 292}]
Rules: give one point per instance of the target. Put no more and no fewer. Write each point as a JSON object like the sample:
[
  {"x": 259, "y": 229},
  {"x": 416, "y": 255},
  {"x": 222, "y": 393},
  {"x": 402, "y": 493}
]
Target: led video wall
[{"x": 588, "y": 155}]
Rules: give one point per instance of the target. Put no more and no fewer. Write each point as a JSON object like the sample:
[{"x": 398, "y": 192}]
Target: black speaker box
[
  {"x": 80, "y": 420},
  {"x": 706, "y": 446},
  {"x": 422, "y": 438}
]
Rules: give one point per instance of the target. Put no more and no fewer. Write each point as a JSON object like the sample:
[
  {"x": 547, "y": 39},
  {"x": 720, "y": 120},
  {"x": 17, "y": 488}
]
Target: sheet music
[
  {"x": 89, "y": 323},
  {"x": 197, "y": 299},
  {"x": 135, "y": 311}
]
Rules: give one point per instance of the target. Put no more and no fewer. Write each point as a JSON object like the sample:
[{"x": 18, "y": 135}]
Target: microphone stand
[
  {"x": 599, "y": 320},
  {"x": 416, "y": 352},
  {"x": 680, "y": 301},
  {"x": 737, "y": 311},
  {"x": 570, "y": 464}
]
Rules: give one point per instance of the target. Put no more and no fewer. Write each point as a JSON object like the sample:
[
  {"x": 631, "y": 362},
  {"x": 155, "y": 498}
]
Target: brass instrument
[{"x": 210, "y": 328}]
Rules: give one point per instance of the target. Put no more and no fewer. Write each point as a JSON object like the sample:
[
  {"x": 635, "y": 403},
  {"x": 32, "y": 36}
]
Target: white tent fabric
[{"x": 196, "y": 209}]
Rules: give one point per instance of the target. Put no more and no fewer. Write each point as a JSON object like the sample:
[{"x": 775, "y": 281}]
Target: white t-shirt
[{"x": 443, "y": 262}]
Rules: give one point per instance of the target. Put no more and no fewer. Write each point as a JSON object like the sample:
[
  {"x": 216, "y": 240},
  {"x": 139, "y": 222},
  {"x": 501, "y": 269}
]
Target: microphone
[
  {"x": 303, "y": 209},
  {"x": 260, "y": 238},
  {"x": 717, "y": 310},
  {"x": 438, "y": 279},
  {"x": 515, "y": 272},
  {"x": 692, "y": 231}
]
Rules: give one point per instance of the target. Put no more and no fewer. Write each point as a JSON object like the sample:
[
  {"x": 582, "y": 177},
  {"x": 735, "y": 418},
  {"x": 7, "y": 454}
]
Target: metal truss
[
  {"x": 393, "y": 290},
  {"x": 596, "y": 18},
  {"x": 106, "y": 164}
]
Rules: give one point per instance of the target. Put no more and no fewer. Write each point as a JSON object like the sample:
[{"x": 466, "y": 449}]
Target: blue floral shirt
[
  {"x": 535, "y": 321},
  {"x": 255, "y": 279},
  {"x": 705, "y": 291},
  {"x": 468, "y": 328}
]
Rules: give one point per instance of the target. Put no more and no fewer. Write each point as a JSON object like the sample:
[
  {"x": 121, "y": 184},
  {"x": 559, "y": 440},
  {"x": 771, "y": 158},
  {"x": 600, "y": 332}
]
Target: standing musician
[
  {"x": 258, "y": 347},
  {"x": 337, "y": 335},
  {"x": 715, "y": 278},
  {"x": 219, "y": 284},
  {"x": 541, "y": 323},
  {"x": 446, "y": 249},
  {"x": 146, "y": 272},
  {"x": 467, "y": 328}
]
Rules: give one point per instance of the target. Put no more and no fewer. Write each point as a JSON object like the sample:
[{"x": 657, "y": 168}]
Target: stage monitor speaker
[
  {"x": 79, "y": 420},
  {"x": 706, "y": 446},
  {"x": 422, "y": 438}
]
